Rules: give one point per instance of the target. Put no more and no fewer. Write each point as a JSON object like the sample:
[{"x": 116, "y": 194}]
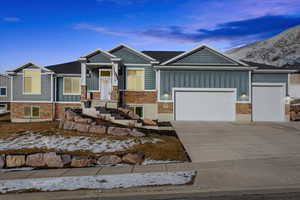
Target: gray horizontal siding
[
  {"x": 61, "y": 97},
  {"x": 5, "y": 82},
  {"x": 204, "y": 79},
  {"x": 271, "y": 78},
  {"x": 45, "y": 89},
  {"x": 203, "y": 57},
  {"x": 92, "y": 80},
  {"x": 128, "y": 56},
  {"x": 99, "y": 58},
  {"x": 149, "y": 77}
]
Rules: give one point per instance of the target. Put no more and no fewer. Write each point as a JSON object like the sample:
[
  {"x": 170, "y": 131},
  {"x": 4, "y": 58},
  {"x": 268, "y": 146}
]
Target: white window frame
[
  {"x": 32, "y": 93},
  {"x": 31, "y": 108},
  {"x": 5, "y": 91},
  {"x": 64, "y": 93},
  {"x": 141, "y": 69},
  {"x": 137, "y": 105}
]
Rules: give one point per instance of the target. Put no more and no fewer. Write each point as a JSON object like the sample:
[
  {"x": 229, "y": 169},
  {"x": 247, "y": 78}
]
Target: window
[
  {"x": 68, "y": 108},
  {"x": 72, "y": 85},
  {"x": 31, "y": 111},
  {"x": 32, "y": 81},
  {"x": 135, "y": 79},
  {"x": 3, "y": 108},
  {"x": 3, "y": 91},
  {"x": 139, "y": 110}
]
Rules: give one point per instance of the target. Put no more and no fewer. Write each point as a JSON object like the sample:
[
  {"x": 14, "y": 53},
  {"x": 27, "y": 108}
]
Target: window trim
[
  {"x": 141, "y": 69},
  {"x": 31, "y": 109},
  {"x": 3, "y": 87},
  {"x": 64, "y": 93},
  {"x": 32, "y": 93}
]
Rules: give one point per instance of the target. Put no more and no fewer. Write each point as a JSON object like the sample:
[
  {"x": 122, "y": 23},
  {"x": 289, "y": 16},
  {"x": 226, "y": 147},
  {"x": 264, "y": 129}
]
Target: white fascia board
[
  {"x": 132, "y": 49},
  {"x": 30, "y": 63},
  {"x": 203, "y": 67},
  {"x": 96, "y": 64},
  {"x": 275, "y": 71},
  {"x": 68, "y": 75},
  {"x": 98, "y": 51},
  {"x": 200, "y": 47},
  {"x": 269, "y": 84}
]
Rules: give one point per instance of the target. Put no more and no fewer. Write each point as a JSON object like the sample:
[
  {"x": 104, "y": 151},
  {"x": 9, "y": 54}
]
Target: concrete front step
[{"x": 107, "y": 104}]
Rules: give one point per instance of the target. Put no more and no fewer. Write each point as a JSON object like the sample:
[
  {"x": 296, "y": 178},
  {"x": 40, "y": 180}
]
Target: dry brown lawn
[{"x": 169, "y": 148}]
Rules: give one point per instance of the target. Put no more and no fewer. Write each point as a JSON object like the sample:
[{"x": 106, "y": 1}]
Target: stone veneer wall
[
  {"x": 165, "y": 107},
  {"x": 17, "y": 111},
  {"x": 83, "y": 95},
  {"x": 60, "y": 109},
  {"x": 243, "y": 108},
  {"x": 139, "y": 97},
  {"x": 115, "y": 93}
]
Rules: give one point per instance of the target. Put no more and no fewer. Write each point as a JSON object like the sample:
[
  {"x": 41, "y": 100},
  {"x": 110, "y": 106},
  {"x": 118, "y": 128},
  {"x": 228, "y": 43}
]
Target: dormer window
[{"x": 32, "y": 81}]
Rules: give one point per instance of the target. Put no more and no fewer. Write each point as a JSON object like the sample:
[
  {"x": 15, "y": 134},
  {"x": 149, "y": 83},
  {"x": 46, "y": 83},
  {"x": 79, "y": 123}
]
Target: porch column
[
  {"x": 83, "y": 95},
  {"x": 115, "y": 87}
]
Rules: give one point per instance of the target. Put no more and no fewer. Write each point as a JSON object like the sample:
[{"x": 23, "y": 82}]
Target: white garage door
[
  {"x": 205, "y": 104},
  {"x": 268, "y": 102}
]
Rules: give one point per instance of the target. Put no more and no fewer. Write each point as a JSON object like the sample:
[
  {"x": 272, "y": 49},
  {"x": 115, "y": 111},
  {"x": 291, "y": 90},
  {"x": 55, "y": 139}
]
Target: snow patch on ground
[
  {"x": 151, "y": 162},
  {"x": 17, "y": 169},
  {"x": 59, "y": 142},
  {"x": 98, "y": 182}
]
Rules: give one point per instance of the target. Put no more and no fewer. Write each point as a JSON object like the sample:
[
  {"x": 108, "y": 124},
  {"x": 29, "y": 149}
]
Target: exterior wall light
[
  {"x": 244, "y": 96},
  {"x": 166, "y": 95},
  {"x": 288, "y": 99}
]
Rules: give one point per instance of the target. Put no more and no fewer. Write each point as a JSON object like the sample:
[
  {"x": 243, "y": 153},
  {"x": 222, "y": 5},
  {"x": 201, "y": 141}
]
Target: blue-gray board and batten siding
[
  {"x": 61, "y": 97},
  {"x": 5, "y": 82},
  {"x": 204, "y": 79},
  {"x": 45, "y": 89},
  {"x": 128, "y": 56},
  {"x": 271, "y": 78}
]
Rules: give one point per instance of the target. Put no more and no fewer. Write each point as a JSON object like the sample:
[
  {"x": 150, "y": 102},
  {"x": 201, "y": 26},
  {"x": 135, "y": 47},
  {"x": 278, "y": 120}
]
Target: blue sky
[{"x": 55, "y": 31}]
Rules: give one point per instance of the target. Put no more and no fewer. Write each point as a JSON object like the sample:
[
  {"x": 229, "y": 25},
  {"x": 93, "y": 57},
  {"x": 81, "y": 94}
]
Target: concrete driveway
[{"x": 212, "y": 141}]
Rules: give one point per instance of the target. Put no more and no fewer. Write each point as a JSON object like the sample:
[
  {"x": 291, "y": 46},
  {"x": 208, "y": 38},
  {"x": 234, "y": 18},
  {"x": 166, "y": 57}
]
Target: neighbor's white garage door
[
  {"x": 268, "y": 102},
  {"x": 205, "y": 105}
]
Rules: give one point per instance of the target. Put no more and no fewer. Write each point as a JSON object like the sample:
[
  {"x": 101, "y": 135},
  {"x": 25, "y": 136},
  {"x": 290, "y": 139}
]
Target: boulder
[
  {"x": 136, "y": 133},
  {"x": 124, "y": 110},
  {"x": 61, "y": 124},
  {"x": 116, "y": 131},
  {"x": 109, "y": 160},
  {"x": 81, "y": 120},
  {"x": 66, "y": 159},
  {"x": 80, "y": 161},
  {"x": 82, "y": 127},
  {"x": 68, "y": 125},
  {"x": 97, "y": 129},
  {"x": 70, "y": 115},
  {"x": 36, "y": 160},
  {"x": 53, "y": 160},
  {"x": 132, "y": 115},
  {"x": 134, "y": 158},
  {"x": 149, "y": 122},
  {"x": 15, "y": 160},
  {"x": 2, "y": 161}
]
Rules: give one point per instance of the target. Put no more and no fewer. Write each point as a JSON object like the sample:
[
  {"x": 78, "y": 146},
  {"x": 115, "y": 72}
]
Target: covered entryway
[
  {"x": 268, "y": 102},
  {"x": 204, "y": 104}
]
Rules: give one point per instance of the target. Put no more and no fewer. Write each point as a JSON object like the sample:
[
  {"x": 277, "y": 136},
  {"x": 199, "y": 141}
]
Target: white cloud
[{"x": 11, "y": 19}]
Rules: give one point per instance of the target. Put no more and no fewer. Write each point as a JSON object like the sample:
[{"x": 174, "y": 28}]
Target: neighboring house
[
  {"x": 4, "y": 93},
  {"x": 202, "y": 84}
]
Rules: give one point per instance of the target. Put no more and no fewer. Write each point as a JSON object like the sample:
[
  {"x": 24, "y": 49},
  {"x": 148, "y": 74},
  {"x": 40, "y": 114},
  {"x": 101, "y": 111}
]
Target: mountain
[{"x": 278, "y": 50}]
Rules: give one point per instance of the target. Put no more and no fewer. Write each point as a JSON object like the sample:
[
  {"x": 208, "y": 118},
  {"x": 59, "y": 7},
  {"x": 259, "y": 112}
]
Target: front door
[{"x": 105, "y": 83}]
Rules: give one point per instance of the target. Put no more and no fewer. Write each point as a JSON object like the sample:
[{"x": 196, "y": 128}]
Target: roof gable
[
  {"x": 203, "y": 55},
  {"x": 130, "y": 55},
  {"x": 162, "y": 56},
  {"x": 30, "y": 65},
  {"x": 98, "y": 56}
]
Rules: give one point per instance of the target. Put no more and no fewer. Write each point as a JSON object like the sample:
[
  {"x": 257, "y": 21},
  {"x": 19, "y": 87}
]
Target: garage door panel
[
  {"x": 268, "y": 103},
  {"x": 205, "y": 105}
]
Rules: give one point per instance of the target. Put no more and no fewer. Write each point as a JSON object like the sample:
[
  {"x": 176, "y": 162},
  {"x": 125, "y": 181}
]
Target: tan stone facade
[
  {"x": 83, "y": 95},
  {"x": 115, "y": 93},
  {"x": 60, "y": 109},
  {"x": 243, "y": 108},
  {"x": 165, "y": 107},
  {"x": 94, "y": 96},
  {"x": 139, "y": 97},
  {"x": 46, "y": 111}
]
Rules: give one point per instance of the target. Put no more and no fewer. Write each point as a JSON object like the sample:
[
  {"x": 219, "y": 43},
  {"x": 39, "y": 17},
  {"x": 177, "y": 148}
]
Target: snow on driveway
[
  {"x": 73, "y": 143},
  {"x": 98, "y": 182}
]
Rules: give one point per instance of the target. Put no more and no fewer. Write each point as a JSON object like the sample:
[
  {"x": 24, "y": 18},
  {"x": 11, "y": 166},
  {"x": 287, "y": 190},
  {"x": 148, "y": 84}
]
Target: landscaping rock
[
  {"x": 97, "y": 129},
  {"x": 66, "y": 159},
  {"x": 61, "y": 124},
  {"x": 68, "y": 125},
  {"x": 81, "y": 120},
  {"x": 116, "y": 131},
  {"x": 109, "y": 160},
  {"x": 53, "y": 160},
  {"x": 134, "y": 158},
  {"x": 80, "y": 161},
  {"x": 70, "y": 115},
  {"x": 149, "y": 122},
  {"x": 36, "y": 160},
  {"x": 15, "y": 160},
  {"x": 124, "y": 110},
  {"x": 82, "y": 127},
  {"x": 136, "y": 133},
  {"x": 2, "y": 161}
]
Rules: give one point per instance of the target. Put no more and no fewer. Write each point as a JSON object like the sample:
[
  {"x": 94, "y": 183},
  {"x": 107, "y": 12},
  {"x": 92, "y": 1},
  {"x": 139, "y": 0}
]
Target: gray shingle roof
[{"x": 66, "y": 68}]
